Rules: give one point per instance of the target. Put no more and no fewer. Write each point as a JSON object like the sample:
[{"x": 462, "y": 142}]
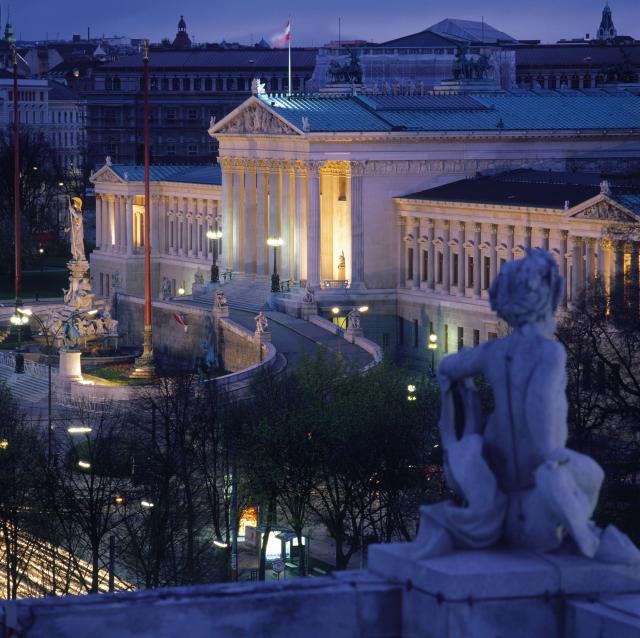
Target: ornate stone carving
[
  {"x": 107, "y": 176},
  {"x": 256, "y": 120},
  {"x": 606, "y": 211}
]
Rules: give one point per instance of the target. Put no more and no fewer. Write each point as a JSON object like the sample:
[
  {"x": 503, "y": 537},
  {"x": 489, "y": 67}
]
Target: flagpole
[
  {"x": 289, "y": 85},
  {"x": 144, "y": 365}
]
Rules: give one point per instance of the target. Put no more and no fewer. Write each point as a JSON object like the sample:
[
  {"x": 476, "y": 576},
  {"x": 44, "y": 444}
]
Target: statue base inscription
[{"x": 498, "y": 592}]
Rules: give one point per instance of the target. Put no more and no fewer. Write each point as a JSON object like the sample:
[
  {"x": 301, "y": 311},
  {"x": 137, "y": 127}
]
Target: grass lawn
[{"x": 115, "y": 375}]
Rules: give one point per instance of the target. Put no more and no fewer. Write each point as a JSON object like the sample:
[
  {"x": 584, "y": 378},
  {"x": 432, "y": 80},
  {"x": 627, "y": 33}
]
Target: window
[
  {"x": 487, "y": 271},
  {"x": 181, "y": 235},
  {"x": 197, "y": 84},
  {"x": 186, "y": 84},
  {"x": 476, "y": 338},
  {"x": 171, "y": 149},
  {"x": 470, "y": 271},
  {"x": 116, "y": 84},
  {"x": 240, "y": 84},
  {"x": 274, "y": 85},
  {"x": 165, "y": 84},
  {"x": 440, "y": 267},
  {"x": 460, "y": 337},
  {"x": 175, "y": 84},
  {"x": 108, "y": 84},
  {"x": 153, "y": 85},
  {"x": 229, "y": 84},
  {"x": 192, "y": 149},
  {"x": 208, "y": 84},
  {"x": 425, "y": 265},
  {"x": 192, "y": 114},
  {"x": 454, "y": 274},
  {"x": 219, "y": 84},
  {"x": 171, "y": 238},
  {"x": 171, "y": 115},
  {"x": 296, "y": 84},
  {"x": 409, "y": 263},
  {"x": 502, "y": 262},
  {"x": 445, "y": 345}
]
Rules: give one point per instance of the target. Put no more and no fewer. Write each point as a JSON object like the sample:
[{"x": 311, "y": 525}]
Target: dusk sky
[{"x": 312, "y": 23}]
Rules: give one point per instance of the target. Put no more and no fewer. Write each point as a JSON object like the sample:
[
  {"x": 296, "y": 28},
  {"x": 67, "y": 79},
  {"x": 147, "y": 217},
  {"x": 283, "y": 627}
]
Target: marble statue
[
  {"x": 76, "y": 228},
  {"x": 262, "y": 325},
  {"x": 353, "y": 320},
  {"x": 306, "y": 125},
  {"x": 308, "y": 294},
  {"x": 117, "y": 280},
  {"x": 221, "y": 299},
  {"x": 198, "y": 278},
  {"x": 342, "y": 266},
  {"x": 515, "y": 481},
  {"x": 258, "y": 87},
  {"x": 165, "y": 289}
]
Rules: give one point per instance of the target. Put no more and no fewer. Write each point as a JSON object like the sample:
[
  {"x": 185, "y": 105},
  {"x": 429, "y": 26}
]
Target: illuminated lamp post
[
  {"x": 433, "y": 346},
  {"x": 214, "y": 236},
  {"x": 275, "y": 242}
]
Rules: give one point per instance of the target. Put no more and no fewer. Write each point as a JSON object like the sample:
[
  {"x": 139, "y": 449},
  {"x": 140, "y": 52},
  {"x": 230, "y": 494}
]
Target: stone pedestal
[
  {"x": 144, "y": 366},
  {"x": 69, "y": 366},
  {"x": 473, "y": 594},
  {"x": 262, "y": 337},
  {"x": 351, "y": 333},
  {"x": 307, "y": 310},
  {"x": 219, "y": 312}
]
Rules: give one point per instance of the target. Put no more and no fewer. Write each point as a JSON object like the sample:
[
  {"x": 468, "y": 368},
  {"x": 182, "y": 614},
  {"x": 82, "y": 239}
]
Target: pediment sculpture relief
[
  {"x": 258, "y": 120},
  {"x": 606, "y": 212}
]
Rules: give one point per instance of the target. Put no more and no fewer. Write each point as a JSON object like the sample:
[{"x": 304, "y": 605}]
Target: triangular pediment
[
  {"x": 106, "y": 175},
  {"x": 253, "y": 117},
  {"x": 603, "y": 208}
]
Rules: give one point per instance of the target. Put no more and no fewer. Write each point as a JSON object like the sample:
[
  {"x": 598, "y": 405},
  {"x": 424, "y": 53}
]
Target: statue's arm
[
  {"x": 468, "y": 362},
  {"x": 546, "y": 401}
]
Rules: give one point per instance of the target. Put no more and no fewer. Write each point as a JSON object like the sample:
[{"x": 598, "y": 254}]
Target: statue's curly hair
[{"x": 527, "y": 289}]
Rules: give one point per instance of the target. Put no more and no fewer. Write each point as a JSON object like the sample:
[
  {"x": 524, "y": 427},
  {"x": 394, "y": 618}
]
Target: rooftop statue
[
  {"x": 350, "y": 72},
  {"x": 516, "y": 481},
  {"x": 466, "y": 68}
]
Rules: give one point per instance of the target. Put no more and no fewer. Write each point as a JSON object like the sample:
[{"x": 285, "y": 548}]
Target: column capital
[
  {"x": 226, "y": 163},
  {"x": 527, "y": 231},
  {"x": 477, "y": 227},
  {"x": 494, "y": 229},
  {"x": 356, "y": 168},
  {"x": 545, "y": 232},
  {"x": 564, "y": 234}
]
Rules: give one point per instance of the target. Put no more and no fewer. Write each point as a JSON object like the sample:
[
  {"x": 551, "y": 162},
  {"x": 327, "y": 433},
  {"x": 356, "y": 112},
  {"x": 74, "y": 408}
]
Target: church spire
[
  {"x": 606, "y": 31},
  {"x": 8, "y": 29}
]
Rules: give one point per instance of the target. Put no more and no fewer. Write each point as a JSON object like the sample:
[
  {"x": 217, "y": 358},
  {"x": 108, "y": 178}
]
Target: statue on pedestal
[
  {"x": 76, "y": 228},
  {"x": 262, "y": 325},
  {"x": 198, "y": 278},
  {"x": 308, "y": 294},
  {"x": 165, "y": 289},
  {"x": 221, "y": 299},
  {"x": 516, "y": 483},
  {"x": 342, "y": 267},
  {"x": 353, "y": 320}
]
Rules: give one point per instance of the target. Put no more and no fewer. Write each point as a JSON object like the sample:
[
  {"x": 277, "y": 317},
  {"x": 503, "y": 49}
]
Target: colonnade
[
  {"x": 264, "y": 198},
  {"x": 461, "y": 258},
  {"x": 179, "y": 225}
]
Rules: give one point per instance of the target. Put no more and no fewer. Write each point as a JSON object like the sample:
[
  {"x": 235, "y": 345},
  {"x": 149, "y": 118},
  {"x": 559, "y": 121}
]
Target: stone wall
[
  {"x": 173, "y": 345},
  {"x": 346, "y": 605}
]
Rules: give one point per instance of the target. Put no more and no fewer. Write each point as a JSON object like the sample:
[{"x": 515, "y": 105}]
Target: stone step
[{"x": 23, "y": 386}]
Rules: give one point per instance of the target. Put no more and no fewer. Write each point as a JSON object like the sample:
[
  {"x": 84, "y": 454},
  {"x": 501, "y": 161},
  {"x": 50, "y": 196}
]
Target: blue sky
[{"x": 313, "y": 22}]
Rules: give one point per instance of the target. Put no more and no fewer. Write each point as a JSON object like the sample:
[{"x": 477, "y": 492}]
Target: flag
[
  {"x": 181, "y": 318},
  {"x": 283, "y": 36}
]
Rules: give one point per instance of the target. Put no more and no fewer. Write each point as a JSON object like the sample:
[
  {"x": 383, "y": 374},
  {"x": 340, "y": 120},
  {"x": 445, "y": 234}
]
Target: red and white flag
[
  {"x": 181, "y": 318},
  {"x": 283, "y": 36}
]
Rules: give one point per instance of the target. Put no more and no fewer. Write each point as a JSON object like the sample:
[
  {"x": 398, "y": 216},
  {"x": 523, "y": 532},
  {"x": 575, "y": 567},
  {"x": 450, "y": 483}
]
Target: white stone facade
[{"x": 181, "y": 215}]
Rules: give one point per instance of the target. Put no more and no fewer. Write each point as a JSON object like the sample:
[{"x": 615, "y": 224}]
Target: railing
[
  {"x": 335, "y": 283},
  {"x": 32, "y": 368}
]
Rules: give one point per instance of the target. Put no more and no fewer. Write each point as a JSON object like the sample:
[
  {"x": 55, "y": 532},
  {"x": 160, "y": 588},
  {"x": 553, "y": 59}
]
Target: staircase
[
  {"x": 24, "y": 387},
  {"x": 242, "y": 294}
]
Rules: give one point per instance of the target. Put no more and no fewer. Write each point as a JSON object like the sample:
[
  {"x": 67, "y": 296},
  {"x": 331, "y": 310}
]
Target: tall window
[
  {"x": 470, "y": 271},
  {"x": 445, "y": 346},
  {"x": 208, "y": 84},
  {"x": 425, "y": 265},
  {"x": 440, "y": 267},
  {"x": 460, "y": 337},
  {"x": 409, "y": 263},
  {"x": 186, "y": 84},
  {"x": 476, "y": 338},
  {"x": 454, "y": 274},
  {"x": 487, "y": 272}
]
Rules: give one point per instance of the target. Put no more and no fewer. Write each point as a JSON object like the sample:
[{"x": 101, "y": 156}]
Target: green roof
[
  {"x": 509, "y": 111},
  {"x": 209, "y": 174}
]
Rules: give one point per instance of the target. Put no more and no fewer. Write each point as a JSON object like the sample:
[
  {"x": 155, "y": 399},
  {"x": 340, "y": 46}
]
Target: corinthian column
[
  {"x": 563, "y": 264},
  {"x": 415, "y": 266},
  {"x": 477, "y": 257},
  {"x": 285, "y": 207},
  {"x": 262, "y": 212},
  {"x": 99, "y": 222},
  {"x": 461, "y": 260},
  {"x": 227, "y": 212},
  {"x": 313, "y": 223},
  {"x": 357, "y": 226},
  {"x": 238, "y": 196},
  {"x": 300, "y": 222},
  {"x": 431, "y": 259},
  {"x": 446, "y": 257},
  {"x": 250, "y": 218}
]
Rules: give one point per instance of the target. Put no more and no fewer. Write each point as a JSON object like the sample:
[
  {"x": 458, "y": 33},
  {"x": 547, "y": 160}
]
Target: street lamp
[
  {"x": 275, "y": 279},
  {"x": 433, "y": 346},
  {"x": 214, "y": 236},
  {"x": 411, "y": 388},
  {"x": 19, "y": 319}
]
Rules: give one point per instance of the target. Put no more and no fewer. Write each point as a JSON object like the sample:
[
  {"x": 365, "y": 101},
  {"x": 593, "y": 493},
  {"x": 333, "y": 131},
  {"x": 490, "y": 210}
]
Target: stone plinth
[
  {"x": 472, "y": 594},
  {"x": 350, "y": 334},
  {"x": 69, "y": 366},
  {"x": 219, "y": 312},
  {"x": 262, "y": 337},
  {"x": 308, "y": 309}
]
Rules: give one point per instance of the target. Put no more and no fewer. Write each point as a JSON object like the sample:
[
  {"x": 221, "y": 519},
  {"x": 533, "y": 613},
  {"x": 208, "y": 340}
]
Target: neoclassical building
[
  {"x": 356, "y": 188},
  {"x": 455, "y": 238},
  {"x": 185, "y": 204}
]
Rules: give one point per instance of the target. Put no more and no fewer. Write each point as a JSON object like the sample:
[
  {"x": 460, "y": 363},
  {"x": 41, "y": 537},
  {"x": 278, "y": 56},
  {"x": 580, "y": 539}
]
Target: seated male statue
[{"x": 517, "y": 484}]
